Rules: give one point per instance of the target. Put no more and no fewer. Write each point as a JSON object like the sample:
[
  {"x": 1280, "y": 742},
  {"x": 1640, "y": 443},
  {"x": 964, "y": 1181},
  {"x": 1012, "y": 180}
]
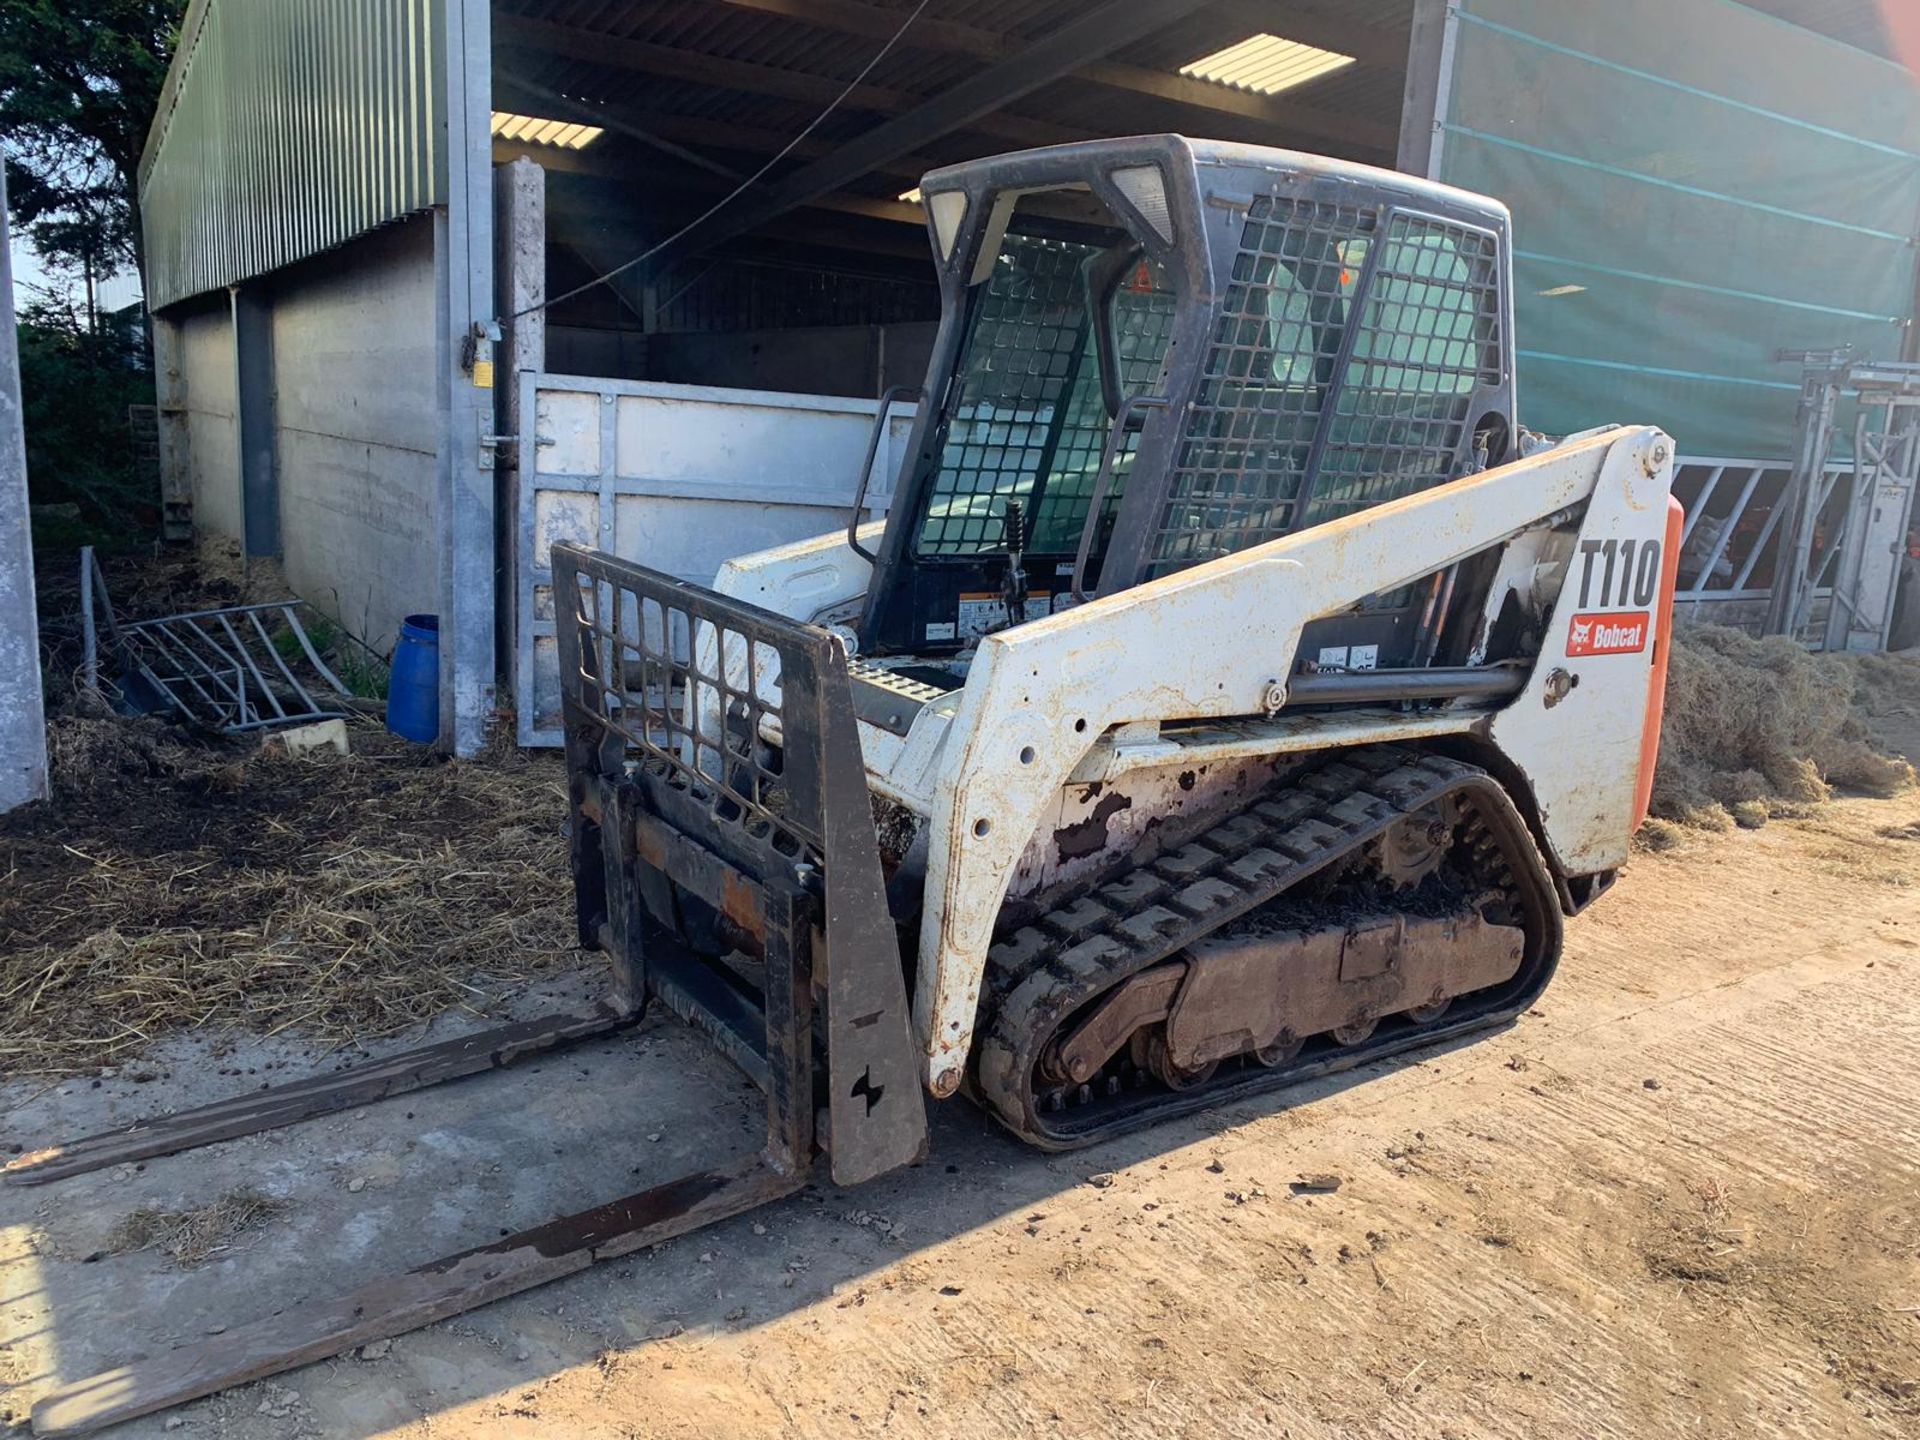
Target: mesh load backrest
[
  {"x": 1428, "y": 336},
  {"x": 1428, "y": 339}
]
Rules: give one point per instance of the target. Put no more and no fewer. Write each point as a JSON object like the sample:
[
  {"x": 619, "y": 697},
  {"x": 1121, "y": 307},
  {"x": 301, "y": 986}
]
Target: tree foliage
[
  {"x": 76, "y": 386},
  {"x": 79, "y": 83}
]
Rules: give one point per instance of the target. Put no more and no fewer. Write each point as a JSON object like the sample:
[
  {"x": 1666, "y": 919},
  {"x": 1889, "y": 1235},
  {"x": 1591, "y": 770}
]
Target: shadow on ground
[{"x": 378, "y": 1190}]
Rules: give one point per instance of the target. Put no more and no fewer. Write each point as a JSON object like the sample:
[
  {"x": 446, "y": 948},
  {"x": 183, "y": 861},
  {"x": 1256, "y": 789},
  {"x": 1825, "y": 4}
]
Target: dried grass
[
  {"x": 174, "y": 885},
  {"x": 1656, "y": 835},
  {"x": 1763, "y": 728},
  {"x": 192, "y": 1236}
]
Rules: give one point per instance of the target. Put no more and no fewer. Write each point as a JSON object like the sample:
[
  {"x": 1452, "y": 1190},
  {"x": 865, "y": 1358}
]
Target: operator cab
[{"x": 1156, "y": 352}]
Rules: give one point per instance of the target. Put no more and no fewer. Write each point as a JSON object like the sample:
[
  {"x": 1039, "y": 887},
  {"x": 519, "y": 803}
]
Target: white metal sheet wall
[{"x": 678, "y": 477}]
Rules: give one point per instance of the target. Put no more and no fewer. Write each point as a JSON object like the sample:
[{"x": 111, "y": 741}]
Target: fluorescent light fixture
[
  {"x": 1266, "y": 64},
  {"x": 1562, "y": 290},
  {"x": 532, "y": 130},
  {"x": 912, "y": 197}
]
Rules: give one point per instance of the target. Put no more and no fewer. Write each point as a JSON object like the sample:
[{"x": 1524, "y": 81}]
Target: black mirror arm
[{"x": 893, "y": 393}]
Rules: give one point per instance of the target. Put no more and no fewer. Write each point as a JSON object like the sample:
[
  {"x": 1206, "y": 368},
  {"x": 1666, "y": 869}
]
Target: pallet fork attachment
[{"x": 719, "y": 808}]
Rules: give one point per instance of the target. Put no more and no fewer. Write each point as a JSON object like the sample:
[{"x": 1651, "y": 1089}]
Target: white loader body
[{"x": 1183, "y": 673}]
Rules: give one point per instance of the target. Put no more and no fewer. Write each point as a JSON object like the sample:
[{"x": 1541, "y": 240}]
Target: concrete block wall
[
  {"x": 355, "y": 425},
  {"x": 357, "y": 430},
  {"x": 206, "y": 393}
]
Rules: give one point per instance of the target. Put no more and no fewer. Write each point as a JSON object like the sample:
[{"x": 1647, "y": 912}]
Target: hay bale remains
[
  {"x": 191, "y": 1236},
  {"x": 1759, "y": 728},
  {"x": 182, "y": 882}
]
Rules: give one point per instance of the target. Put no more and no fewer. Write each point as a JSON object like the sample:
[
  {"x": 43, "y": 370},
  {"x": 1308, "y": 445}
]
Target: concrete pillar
[
  {"x": 257, "y": 441},
  {"x": 23, "y": 725},
  {"x": 520, "y": 281},
  {"x": 463, "y": 266},
  {"x": 176, "y": 459}
]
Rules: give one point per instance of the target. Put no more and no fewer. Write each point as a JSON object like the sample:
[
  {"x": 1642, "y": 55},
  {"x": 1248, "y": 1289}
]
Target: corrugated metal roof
[
  {"x": 536, "y": 130},
  {"x": 287, "y": 127},
  {"x": 1266, "y": 64}
]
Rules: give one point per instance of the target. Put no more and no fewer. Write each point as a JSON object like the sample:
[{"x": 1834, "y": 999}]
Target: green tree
[
  {"x": 79, "y": 83},
  {"x": 75, "y": 386}
]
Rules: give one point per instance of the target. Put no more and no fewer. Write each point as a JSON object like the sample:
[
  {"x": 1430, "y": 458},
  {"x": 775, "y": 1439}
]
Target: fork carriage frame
[
  {"x": 679, "y": 831},
  {"x": 665, "y": 854}
]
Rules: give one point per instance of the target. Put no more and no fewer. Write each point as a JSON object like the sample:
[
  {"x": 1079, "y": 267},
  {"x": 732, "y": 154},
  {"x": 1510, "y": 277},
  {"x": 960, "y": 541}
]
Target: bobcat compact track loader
[{"x": 1234, "y": 694}]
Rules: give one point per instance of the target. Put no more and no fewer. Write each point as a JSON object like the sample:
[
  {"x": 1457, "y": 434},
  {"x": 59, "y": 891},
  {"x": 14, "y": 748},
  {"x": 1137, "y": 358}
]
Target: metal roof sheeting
[
  {"x": 288, "y": 127},
  {"x": 921, "y": 65}
]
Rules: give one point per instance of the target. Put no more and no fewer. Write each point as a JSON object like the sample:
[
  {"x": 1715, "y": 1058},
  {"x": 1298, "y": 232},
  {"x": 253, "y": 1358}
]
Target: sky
[{"x": 30, "y": 276}]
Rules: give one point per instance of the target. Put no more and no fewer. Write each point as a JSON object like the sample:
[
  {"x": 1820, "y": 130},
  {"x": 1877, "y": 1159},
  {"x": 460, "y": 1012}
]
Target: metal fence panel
[
  {"x": 288, "y": 127},
  {"x": 1731, "y": 546},
  {"x": 679, "y": 478}
]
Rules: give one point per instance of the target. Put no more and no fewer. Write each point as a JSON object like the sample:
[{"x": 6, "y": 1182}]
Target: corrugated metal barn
[{"x": 366, "y": 221}]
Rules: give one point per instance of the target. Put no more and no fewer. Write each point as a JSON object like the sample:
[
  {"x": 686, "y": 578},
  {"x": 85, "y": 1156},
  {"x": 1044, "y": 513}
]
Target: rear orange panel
[{"x": 1662, "y": 647}]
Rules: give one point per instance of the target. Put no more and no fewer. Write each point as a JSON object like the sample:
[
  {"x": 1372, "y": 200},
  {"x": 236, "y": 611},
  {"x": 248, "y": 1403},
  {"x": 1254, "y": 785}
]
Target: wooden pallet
[
  {"x": 323, "y": 1095},
  {"x": 392, "y": 1306}
]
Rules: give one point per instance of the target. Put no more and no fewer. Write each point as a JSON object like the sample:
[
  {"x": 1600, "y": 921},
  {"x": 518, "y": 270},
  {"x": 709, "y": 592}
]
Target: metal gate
[
  {"x": 1737, "y": 544},
  {"x": 679, "y": 478}
]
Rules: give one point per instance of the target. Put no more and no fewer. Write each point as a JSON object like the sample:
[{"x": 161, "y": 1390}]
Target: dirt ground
[{"x": 1681, "y": 1196}]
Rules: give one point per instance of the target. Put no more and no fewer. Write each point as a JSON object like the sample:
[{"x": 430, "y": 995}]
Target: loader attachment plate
[{"x": 720, "y": 804}]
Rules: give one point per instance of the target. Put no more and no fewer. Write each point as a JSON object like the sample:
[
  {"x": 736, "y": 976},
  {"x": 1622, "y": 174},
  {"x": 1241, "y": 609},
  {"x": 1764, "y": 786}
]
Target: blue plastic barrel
[{"x": 413, "y": 694}]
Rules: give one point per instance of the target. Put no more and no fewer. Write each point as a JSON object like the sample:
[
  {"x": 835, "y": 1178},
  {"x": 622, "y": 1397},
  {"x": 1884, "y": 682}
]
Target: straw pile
[
  {"x": 176, "y": 883},
  {"x": 1762, "y": 728},
  {"x": 192, "y": 1236}
]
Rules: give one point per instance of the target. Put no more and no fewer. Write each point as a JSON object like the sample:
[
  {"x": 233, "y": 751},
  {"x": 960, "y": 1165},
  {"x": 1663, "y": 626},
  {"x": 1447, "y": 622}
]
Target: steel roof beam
[
  {"x": 1325, "y": 26},
  {"x": 1073, "y": 45},
  {"x": 854, "y": 17},
  {"x": 619, "y": 52},
  {"x": 525, "y": 97},
  {"x": 583, "y": 162},
  {"x": 650, "y": 127}
]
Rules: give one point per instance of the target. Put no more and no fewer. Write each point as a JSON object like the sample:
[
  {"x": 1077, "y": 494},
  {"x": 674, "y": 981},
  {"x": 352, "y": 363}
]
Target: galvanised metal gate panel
[
  {"x": 287, "y": 127},
  {"x": 679, "y": 478},
  {"x": 1731, "y": 546}
]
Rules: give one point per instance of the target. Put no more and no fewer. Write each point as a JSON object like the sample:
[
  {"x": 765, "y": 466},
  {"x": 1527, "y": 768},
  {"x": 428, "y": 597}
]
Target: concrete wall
[
  {"x": 356, "y": 424},
  {"x": 206, "y": 384}
]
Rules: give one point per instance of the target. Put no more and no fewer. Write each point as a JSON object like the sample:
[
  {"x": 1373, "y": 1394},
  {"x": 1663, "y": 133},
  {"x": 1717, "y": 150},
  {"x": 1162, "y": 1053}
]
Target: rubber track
[{"x": 1044, "y": 972}]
